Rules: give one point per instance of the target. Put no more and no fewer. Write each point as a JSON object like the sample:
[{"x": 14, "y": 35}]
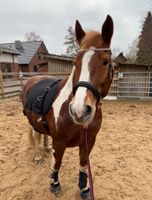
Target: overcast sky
[{"x": 51, "y": 18}]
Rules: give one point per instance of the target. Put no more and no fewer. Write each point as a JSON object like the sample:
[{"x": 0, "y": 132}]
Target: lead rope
[{"x": 88, "y": 163}]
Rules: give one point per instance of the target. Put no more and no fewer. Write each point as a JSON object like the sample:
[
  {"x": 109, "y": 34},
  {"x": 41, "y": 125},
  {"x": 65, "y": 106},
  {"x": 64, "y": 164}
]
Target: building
[
  {"x": 59, "y": 63},
  {"x": 33, "y": 57},
  {"x": 28, "y": 59},
  {"x": 120, "y": 58},
  {"x": 8, "y": 60},
  {"x": 133, "y": 80}
]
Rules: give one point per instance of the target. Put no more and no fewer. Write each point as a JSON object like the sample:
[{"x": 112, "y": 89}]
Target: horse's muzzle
[{"x": 81, "y": 116}]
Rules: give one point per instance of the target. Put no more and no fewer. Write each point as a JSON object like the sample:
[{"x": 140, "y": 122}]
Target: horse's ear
[
  {"x": 107, "y": 30},
  {"x": 79, "y": 32}
]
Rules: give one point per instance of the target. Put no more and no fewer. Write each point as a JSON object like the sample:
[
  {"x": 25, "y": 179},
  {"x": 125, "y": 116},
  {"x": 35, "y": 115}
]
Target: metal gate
[
  {"x": 150, "y": 85},
  {"x": 134, "y": 85}
]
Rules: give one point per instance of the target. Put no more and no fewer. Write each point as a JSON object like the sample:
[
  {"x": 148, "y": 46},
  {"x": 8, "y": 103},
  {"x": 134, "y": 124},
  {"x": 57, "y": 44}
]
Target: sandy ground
[{"x": 121, "y": 159}]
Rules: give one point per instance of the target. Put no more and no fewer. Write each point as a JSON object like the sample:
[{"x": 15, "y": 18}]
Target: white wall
[{"x": 4, "y": 57}]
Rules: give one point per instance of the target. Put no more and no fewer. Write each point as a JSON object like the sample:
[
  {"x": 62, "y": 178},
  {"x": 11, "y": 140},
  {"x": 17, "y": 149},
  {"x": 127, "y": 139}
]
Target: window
[{"x": 35, "y": 68}]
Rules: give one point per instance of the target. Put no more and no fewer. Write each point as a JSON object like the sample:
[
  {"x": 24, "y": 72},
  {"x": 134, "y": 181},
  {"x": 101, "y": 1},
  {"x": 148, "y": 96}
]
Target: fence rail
[
  {"x": 124, "y": 85},
  {"x": 135, "y": 85},
  {"x": 11, "y": 83}
]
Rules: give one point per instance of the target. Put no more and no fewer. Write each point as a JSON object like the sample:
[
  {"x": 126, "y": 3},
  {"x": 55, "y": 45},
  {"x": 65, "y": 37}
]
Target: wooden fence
[{"x": 11, "y": 83}]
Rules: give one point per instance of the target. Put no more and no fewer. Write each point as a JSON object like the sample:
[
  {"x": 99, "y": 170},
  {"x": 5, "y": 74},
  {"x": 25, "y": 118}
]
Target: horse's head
[{"x": 93, "y": 71}]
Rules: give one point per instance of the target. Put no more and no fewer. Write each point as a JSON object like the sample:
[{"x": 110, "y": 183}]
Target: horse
[{"x": 62, "y": 108}]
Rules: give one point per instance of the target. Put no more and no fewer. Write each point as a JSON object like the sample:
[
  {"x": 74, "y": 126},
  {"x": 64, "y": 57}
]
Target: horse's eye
[{"x": 105, "y": 62}]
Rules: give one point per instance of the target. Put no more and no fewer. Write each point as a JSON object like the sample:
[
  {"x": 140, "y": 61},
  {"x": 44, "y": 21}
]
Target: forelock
[{"x": 91, "y": 39}]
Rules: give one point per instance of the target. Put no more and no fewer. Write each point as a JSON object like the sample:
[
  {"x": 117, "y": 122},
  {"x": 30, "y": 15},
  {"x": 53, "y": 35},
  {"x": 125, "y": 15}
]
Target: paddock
[{"x": 121, "y": 159}]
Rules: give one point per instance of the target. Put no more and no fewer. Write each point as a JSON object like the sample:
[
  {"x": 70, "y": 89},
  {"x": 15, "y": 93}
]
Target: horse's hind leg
[
  {"x": 35, "y": 136},
  {"x": 47, "y": 146}
]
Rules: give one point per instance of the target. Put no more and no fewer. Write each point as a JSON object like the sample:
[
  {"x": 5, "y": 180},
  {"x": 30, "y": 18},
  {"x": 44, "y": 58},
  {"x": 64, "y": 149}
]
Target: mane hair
[{"x": 91, "y": 38}]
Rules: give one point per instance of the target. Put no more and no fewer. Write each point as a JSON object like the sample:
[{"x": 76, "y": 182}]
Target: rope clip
[{"x": 85, "y": 126}]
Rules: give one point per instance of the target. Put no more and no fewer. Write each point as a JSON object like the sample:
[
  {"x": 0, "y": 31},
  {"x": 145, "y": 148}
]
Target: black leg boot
[
  {"x": 85, "y": 191},
  {"x": 55, "y": 185}
]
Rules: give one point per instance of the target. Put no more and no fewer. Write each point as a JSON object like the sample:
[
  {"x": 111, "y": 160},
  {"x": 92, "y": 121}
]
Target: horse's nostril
[{"x": 87, "y": 111}]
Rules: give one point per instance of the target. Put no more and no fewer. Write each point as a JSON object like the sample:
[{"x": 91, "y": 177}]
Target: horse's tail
[{"x": 30, "y": 137}]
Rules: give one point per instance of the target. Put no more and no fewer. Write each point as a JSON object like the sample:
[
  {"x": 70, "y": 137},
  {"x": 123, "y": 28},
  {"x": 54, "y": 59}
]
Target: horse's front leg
[
  {"x": 83, "y": 171},
  {"x": 57, "y": 154}
]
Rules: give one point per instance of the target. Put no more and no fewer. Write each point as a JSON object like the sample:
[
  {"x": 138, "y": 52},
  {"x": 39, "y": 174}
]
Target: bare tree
[
  {"x": 132, "y": 53},
  {"x": 32, "y": 36},
  {"x": 70, "y": 42}
]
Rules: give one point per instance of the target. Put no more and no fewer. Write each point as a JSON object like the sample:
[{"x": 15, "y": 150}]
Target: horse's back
[
  {"x": 37, "y": 97},
  {"x": 30, "y": 84}
]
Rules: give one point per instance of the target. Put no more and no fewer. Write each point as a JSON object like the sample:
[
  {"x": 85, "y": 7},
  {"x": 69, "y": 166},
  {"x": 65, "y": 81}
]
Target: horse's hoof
[
  {"x": 38, "y": 160},
  {"x": 48, "y": 148},
  {"x": 86, "y": 194},
  {"x": 55, "y": 188}
]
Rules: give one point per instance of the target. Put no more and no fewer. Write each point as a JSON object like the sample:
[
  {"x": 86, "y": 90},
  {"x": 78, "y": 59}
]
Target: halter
[
  {"x": 89, "y": 85},
  {"x": 96, "y": 49}
]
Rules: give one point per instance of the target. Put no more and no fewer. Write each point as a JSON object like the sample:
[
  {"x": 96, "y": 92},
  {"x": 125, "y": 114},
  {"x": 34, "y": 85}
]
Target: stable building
[{"x": 8, "y": 60}]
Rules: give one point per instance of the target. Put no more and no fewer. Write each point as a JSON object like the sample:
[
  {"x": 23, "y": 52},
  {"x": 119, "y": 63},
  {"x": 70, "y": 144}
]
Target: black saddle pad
[{"x": 42, "y": 95}]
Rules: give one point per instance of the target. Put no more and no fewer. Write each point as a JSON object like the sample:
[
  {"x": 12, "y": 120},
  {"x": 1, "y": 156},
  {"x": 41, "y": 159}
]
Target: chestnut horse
[{"x": 75, "y": 102}]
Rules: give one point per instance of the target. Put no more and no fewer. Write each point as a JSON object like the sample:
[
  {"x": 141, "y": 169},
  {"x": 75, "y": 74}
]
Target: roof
[
  {"x": 120, "y": 58},
  {"x": 10, "y": 51},
  {"x": 59, "y": 57},
  {"x": 25, "y": 49}
]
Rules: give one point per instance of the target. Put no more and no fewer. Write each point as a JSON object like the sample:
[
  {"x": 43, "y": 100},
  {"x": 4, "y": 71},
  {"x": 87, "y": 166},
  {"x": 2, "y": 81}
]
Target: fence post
[
  {"x": 21, "y": 78},
  {"x": 1, "y": 84}
]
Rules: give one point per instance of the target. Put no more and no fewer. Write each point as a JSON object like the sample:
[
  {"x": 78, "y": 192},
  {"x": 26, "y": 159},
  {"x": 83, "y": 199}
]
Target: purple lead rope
[{"x": 88, "y": 163}]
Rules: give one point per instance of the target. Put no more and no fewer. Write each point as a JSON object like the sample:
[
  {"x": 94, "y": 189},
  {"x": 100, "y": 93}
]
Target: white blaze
[
  {"x": 63, "y": 96},
  {"x": 78, "y": 103}
]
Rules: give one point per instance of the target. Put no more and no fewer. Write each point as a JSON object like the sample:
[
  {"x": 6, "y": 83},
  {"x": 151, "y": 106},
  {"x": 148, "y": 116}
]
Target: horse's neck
[
  {"x": 67, "y": 84},
  {"x": 63, "y": 96}
]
